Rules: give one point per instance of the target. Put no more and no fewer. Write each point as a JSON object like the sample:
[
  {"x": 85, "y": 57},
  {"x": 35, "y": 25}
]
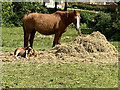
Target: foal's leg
[{"x": 32, "y": 37}]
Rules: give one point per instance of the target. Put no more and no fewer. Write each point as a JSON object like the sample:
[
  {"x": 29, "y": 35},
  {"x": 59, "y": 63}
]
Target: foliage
[
  {"x": 13, "y": 12},
  {"x": 116, "y": 23},
  {"x": 103, "y": 21},
  {"x": 88, "y": 18},
  {"x": 106, "y": 23},
  {"x": 92, "y": 7},
  {"x": 7, "y": 14}
]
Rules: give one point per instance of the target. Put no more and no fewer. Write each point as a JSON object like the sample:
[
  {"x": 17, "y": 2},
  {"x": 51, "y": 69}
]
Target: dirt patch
[{"x": 92, "y": 48}]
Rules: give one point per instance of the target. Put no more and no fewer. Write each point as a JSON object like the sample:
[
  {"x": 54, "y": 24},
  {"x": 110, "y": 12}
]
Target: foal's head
[{"x": 76, "y": 19}]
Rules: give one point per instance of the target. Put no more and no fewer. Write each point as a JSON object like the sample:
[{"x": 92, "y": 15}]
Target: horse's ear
[{"x": 74, "y": 12}]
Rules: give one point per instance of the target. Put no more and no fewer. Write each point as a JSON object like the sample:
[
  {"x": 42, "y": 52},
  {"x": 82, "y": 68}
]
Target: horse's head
[{"x": 76, "y": 19}]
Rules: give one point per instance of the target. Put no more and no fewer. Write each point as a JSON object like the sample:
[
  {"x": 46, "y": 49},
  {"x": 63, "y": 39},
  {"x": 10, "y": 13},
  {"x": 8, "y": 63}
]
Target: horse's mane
[{"x": 62, "y": 13}]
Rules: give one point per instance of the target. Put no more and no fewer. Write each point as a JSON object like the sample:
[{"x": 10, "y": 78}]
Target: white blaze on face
[{"x": 78, "y": 22}]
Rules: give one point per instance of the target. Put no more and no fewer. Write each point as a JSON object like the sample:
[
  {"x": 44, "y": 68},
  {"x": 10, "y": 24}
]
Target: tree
[
  {"x": 65, "y": 8},
  {"x": 43, "y": 4},
  {"x": 116, "y": 22},
  {"x": 13, "y": 12},
  {"x": 56, "y": 5}
]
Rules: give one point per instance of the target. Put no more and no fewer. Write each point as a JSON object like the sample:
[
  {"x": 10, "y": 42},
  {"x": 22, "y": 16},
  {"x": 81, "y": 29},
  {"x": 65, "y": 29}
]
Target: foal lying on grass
[{"x": 24, "y": 52}]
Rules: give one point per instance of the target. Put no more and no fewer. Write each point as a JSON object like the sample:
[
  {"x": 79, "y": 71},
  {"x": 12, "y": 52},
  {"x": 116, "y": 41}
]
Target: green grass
[
  {"x": 24, "y": 75},
  {"x": 84, "y": 75},
  {"x": 14, "y": 37},
  {"x": 116, "y": 44}
]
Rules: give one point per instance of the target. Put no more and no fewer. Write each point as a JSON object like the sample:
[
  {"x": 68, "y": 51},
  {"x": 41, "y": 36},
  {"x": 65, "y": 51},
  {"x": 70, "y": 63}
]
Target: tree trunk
[
  {"x": 43, "y": 4},
  {"x": 56, "y": 6},
  {"x": 65, "y": 8}
]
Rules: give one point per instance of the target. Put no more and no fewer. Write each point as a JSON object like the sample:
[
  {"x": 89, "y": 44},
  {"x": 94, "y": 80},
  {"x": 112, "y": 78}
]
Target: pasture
[
  {"x": 50, "y": 75},
  {"x": 15, "y": 37}
]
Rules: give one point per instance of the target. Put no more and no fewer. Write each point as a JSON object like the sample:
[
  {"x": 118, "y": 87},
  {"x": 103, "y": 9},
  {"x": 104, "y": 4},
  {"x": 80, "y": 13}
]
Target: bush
[
  {"x": 7, "y": 14},
  {"x": 116, "y": 22},
  {"x": 103, "y": 24},
  {"x": 88, "y": 18},
  {"x": 13, "y": 12},
  {"x": 103, "y": 21},
  {"x": 108, "y": 24}
]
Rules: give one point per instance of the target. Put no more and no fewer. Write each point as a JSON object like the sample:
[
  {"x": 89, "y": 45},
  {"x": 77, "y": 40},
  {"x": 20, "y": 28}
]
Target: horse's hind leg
[{"x": 32, "y": 37}]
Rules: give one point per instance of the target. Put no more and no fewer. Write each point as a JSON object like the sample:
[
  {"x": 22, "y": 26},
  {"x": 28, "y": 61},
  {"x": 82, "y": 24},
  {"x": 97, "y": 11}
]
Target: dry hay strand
[{"x": 93, "y": 48}]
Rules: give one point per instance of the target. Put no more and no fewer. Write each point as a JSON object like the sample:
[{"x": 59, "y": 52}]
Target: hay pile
[{"x": 92, "y": 48}]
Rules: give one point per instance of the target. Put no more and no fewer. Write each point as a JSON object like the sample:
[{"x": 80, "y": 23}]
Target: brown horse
[{"x": 48, "y": 24}]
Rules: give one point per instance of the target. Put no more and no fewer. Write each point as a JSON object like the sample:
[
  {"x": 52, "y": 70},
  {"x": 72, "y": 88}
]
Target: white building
[{"x": 51, "y": 3}]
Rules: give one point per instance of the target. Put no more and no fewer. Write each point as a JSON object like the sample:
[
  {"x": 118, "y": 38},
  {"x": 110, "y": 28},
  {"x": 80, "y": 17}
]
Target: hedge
[{"x": 13, "y": 12}]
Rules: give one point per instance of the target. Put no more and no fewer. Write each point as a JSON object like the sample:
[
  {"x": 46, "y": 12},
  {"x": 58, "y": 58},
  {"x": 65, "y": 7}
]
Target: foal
[
  {"x": 48, "y": 24},
  {"x": 24, "y": 52}
]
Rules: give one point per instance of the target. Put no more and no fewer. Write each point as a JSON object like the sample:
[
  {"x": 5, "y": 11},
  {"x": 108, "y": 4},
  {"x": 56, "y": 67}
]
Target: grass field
[
  {"x": 50, "y": 75},
  {"x": 33, "y": 75},
  {"x": 14, "y": 37}
]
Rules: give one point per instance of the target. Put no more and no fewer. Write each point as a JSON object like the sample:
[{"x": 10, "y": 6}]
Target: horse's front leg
[
  {"x": 26, "y": 36},
  {"x": 57, "y": 39}
]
